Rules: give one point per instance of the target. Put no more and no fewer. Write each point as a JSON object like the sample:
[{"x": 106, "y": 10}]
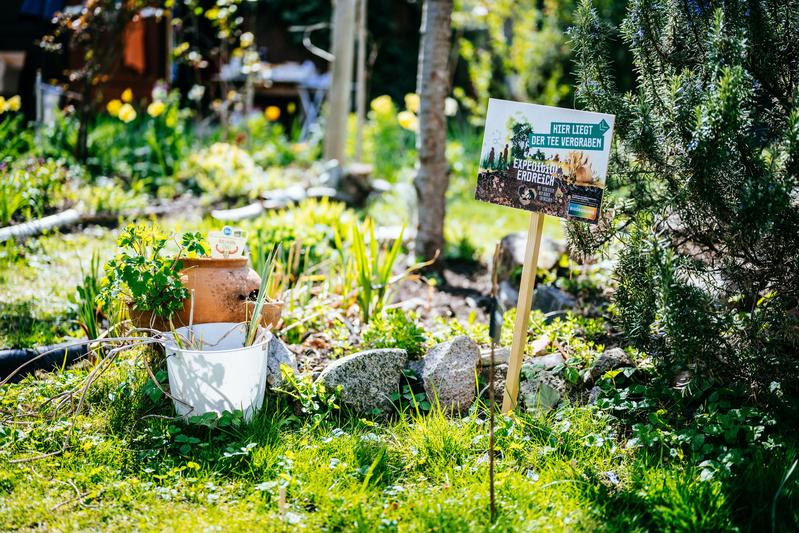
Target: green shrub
[
  {"x": 396, "y": 328},
  {"x": 224, "y": 171},
  {"x": 703, "y": 185}
]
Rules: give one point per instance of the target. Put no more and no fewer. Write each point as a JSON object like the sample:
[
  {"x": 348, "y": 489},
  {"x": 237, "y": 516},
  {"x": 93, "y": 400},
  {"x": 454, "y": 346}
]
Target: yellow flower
[
  {"x": 291, "y": 107},
  {"x": 14, "y": 103},
  {"x": 171, "y": 120},
  {"x": 407, "y": 120},
  {"x": 412, "y": 102},
  {"x": 127, "y": 95},
  {"x": 382, "y": 105},
  {"x": 113, "y": 107},
  {"x": 127, "y": 113},
  {"x": 2, "y": 105},
  {"x": 155, "y": 108},
  {"x": 272, "y": 113},
  {"x": 192, "y": 465}
]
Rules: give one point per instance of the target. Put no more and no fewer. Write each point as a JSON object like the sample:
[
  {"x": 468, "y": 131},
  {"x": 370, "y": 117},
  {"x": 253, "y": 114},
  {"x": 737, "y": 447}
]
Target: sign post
[
  {"x": 550, "y": 161},
  {"x": 526, "y": 292}
]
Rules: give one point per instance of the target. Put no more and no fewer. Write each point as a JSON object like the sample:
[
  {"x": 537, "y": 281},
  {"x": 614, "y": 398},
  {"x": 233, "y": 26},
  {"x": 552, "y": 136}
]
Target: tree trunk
[{"x": 432, "y": 86}]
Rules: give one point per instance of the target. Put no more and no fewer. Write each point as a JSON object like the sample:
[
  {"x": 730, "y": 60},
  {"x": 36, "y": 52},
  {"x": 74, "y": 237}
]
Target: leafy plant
[
  {"x": 144, "y": 275},
  {"x": 710, "y": 425},
  {"x": 313, "y": 398},
  {"x": 85, "y": 299},
  {"x": 395, "y": 328},
  {"x": 412, "y": 395},
  {"x": 371, "y": 264},
  {"x": 12, "y": 197}
]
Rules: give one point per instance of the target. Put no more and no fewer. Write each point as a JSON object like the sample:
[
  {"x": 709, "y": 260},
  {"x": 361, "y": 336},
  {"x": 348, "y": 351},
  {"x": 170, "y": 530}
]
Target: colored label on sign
[{"x": 545, "y": 159}]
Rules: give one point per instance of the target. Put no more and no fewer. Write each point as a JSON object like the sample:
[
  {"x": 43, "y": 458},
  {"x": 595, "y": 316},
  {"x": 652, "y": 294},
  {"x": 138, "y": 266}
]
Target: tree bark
[{"x": 432, "y": 86}]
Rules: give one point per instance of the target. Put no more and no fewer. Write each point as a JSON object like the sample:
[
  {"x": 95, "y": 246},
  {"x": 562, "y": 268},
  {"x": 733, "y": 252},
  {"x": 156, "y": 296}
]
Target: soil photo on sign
[{"x": 544, "y": 159}]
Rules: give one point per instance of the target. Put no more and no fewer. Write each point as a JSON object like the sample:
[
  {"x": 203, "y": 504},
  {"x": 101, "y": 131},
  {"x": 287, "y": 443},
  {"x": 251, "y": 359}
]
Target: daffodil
[
  {"x": 113, "y": 107},
  {"x": 412, "y": 102},
  {"x": 2, "y": 105},
  {"x": 156, "y": 108},
  {"x": 382, "y": 105},
  {"x": 272, "y": 113},
  {"x": 126, "y": 113},
  {"x": 14, "y": 103},
  {"x": 127, "y": 95},
  {"x": 408, "y": 120}
]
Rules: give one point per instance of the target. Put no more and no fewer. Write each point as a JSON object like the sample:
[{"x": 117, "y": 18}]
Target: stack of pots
[
  {"x": 217, "y": 372},
  {"x": 224, "y": 290}
]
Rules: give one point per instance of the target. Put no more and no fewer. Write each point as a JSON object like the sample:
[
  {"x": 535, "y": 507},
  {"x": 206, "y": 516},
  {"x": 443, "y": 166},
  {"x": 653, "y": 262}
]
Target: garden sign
[{"x": 550, "y": 161}]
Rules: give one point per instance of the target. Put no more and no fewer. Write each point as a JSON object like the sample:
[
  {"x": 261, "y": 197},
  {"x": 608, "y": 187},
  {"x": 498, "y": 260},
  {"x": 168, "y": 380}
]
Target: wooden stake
[
  {"x": 523, "y": 307},
  {"x": 360, "y": 77},
  {"x": 338, "y": 100}
]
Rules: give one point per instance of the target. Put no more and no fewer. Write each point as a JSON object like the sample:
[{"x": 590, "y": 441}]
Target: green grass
[{"x": 560, "y": 471}]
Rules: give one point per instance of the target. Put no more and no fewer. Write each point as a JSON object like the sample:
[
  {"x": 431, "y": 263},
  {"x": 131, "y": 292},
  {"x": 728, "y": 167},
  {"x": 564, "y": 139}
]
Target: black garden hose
[{"x": 14, "y": 358}]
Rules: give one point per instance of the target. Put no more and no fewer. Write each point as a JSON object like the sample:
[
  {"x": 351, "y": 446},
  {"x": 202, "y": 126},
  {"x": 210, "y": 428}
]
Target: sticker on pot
[{"x": 230, "y": 242}]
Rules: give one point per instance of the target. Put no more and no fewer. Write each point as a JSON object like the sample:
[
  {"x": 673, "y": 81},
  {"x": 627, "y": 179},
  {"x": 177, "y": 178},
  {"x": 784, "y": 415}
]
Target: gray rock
[
  {"x": 512, "y": 253},
  {"x": 548, "y": 298},
  {"x": 449, "y": 373},
  {"x": 608, "y": 360},
  {"x": 547, "y": 362},
  {"x": 367, "y": 379},
  {"x": 277, "y": 356},
  {"x": 540, "y": 389}
]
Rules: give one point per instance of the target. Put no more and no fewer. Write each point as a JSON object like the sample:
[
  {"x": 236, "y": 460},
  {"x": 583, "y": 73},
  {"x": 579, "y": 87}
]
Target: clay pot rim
[{"x": 214, "y": 262}]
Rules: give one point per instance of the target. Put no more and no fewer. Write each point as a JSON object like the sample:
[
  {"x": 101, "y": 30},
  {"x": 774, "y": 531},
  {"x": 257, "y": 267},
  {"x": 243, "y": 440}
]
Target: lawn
[{"x": 564, "y": 470}]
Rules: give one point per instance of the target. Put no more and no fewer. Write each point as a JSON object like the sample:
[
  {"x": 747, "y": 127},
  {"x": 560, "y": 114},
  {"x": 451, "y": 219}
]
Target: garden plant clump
[{"x": 658, "y": 384}]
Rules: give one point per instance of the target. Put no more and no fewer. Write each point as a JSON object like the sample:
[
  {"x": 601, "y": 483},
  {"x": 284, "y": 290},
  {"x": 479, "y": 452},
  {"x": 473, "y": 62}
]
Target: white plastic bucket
[{"x": 222, "y": 375}]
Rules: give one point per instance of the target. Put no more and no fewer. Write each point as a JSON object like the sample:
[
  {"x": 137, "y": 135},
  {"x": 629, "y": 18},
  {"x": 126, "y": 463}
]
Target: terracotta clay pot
[
  {"x": 221, "y": 290},
  {"x": 270, "y": 314}
]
